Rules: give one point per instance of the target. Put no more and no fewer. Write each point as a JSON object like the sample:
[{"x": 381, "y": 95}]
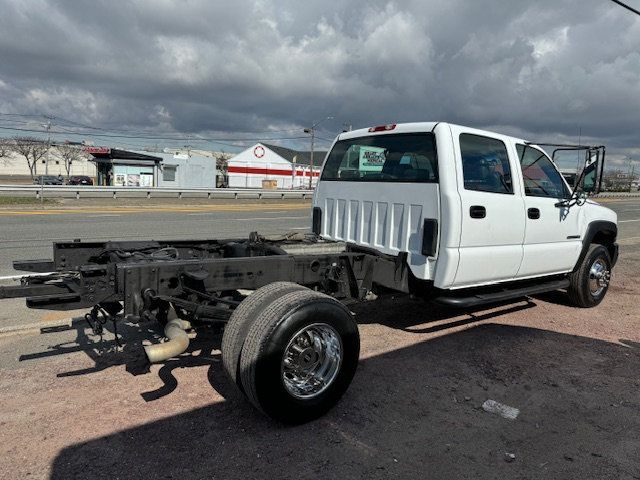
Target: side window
[
  {"x": 169, "y": 173},
  {"x": 541, "y": 178},
  {"x": 485, "y": 164}
]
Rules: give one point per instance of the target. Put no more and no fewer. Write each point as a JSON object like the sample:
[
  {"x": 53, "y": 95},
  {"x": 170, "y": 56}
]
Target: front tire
[
  {"x": 300, "y": 356},
  {"x": 589, "y": 284}
]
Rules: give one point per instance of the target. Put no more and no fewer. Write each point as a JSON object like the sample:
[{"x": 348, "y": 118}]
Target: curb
[
  {"x": 37, "y": 327},
  {"x": 617, "y": 195}
]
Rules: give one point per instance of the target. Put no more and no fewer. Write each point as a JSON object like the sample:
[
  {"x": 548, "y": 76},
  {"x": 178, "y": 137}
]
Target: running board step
[{"x": 500, "y": 296}]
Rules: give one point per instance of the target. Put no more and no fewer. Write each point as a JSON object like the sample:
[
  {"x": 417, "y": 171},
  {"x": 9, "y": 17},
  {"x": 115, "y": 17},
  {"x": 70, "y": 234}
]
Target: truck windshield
[{"x": 404, "y": 157}]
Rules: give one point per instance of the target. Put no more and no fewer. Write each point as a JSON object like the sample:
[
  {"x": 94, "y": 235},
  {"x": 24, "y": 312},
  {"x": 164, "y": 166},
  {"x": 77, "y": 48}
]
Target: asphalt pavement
[{"x": 30, "y": 233}]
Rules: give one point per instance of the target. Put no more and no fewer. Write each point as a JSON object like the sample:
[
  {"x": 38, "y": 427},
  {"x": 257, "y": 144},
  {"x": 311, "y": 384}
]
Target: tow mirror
[
  {"x": 589, "y": 183},
  {"x": 586, "y": 162}
]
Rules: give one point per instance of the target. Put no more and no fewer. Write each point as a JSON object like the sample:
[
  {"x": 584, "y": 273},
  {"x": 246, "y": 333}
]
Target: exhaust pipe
[{"x": 178, "y": 342}]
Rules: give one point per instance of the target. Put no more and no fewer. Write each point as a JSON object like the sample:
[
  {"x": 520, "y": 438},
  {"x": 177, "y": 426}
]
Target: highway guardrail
[{"x": 51, "y": 191}]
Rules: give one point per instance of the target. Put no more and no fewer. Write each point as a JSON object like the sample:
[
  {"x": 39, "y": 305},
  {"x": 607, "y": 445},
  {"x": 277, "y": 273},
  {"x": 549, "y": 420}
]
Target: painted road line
[
  {"x": 124, "y": 210},
  {"x": 270, "y": 218},
  {"x": 18, "y": 277},
  {"x": 629, "y": 241},
  {"x": 626, "y": 221},
  {"x": 300, "y": 228}
]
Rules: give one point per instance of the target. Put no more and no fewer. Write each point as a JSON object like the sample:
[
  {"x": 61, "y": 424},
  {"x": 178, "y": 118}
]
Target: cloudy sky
[{"x": 542, "y": 69}]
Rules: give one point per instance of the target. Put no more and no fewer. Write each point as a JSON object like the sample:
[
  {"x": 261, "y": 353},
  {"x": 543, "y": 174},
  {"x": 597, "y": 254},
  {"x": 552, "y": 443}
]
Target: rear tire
[
  {"x": 300, "y": 356},
  {"x": 237, "y": 327},
  {"x": 589, "y": 284}
]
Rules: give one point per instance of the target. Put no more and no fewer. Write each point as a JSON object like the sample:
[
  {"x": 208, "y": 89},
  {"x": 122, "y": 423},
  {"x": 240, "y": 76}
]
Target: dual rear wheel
[{"x": 292, "y": 351}]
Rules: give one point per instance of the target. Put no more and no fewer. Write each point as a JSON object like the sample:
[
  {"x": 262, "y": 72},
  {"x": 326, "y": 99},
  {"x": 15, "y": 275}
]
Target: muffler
[{"x": 178, "y": 342}]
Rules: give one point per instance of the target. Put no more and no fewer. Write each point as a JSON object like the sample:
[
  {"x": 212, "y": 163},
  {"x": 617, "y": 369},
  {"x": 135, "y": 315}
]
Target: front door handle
[
  {"x": 533, "y": 213},
  {"x": 477, "y": 211}
]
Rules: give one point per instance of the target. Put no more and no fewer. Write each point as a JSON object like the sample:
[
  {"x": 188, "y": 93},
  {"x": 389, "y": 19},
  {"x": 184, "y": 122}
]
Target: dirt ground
[{"x": 413, "y": 411}]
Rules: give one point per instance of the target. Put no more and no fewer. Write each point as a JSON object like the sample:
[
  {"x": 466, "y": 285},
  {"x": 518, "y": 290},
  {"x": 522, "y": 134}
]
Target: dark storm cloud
[{"x": 539, "y": 69}]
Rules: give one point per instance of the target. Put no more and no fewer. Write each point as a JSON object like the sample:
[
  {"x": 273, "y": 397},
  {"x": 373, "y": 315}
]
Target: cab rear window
[{"x": 404, "y": 157}]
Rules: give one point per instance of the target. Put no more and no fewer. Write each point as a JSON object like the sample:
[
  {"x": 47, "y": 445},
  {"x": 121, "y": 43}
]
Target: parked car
[
  {"x": 80, "y": 180},
  {"x": 48, "y": 180}
]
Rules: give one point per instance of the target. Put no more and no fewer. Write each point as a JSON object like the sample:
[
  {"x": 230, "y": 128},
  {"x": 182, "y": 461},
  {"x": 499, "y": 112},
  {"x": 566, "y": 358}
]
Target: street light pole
[
  {"x": 312, "y": 131},
  {"x": 46, "y": 162}
]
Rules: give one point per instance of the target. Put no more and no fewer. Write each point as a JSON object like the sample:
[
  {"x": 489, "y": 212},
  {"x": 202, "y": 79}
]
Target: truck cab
[{"x": 468, "y": 208}]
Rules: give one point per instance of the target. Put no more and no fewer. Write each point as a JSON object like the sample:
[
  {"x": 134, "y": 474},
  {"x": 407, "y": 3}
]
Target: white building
[
  {"x": 14, "y": 167},
  {"x": 289, "y": 168}
]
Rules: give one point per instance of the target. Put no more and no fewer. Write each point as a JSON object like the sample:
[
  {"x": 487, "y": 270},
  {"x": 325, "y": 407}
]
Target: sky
[{"x": 192, "y": 71}]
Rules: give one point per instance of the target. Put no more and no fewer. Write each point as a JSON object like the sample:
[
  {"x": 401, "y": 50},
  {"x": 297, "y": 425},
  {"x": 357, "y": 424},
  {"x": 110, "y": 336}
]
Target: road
[
  {"x": 29, "y": 233},
  {"x": 74, "y": 407}
]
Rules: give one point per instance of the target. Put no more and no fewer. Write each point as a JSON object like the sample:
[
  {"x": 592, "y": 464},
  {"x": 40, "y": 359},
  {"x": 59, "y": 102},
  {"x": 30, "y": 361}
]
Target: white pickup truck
[
  {"x": 456, "y": 215},
  {"x": 470, "y": 208}
]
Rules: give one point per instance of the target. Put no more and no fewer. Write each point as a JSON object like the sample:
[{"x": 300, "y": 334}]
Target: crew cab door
[
  {"x": 493, "y": 214},
  {"x": 552, "y": 241}
]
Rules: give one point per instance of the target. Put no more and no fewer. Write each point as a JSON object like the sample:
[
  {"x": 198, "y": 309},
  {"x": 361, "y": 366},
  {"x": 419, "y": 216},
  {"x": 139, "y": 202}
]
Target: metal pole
[
  {"x": 313, "y": 133},
  {"x": 46, "y": 162},
  {"x": 578, "y": 153},
  {"x": 632, "y": 167}
]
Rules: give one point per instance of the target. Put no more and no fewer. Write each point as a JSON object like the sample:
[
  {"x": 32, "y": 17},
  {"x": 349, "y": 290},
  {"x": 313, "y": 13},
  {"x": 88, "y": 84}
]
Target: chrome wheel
[
  {"x": 599, "y": 277},
  {"x": 311, "y": 360}
]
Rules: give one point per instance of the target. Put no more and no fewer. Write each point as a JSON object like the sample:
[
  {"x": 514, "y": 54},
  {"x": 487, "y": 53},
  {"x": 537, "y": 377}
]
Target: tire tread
[
  {"x": 239, "y": 324},
  {"x": 577, "y": 291},
  {"x": 261, "y": 330}
]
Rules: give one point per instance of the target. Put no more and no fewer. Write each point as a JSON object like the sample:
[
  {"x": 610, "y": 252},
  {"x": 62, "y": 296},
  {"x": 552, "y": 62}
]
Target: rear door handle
[
  {"x": 477, "y": 211},
  {"x": 533, "y": 213}
]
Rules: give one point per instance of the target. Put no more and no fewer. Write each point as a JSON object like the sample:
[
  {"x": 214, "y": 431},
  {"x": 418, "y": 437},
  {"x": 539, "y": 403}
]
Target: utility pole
[
  {"x": 632, "y": 168},
  {"x": 578, "y": 152},
  {"x": 312, "y": 131},
  {"x": 46, "y": 161}
]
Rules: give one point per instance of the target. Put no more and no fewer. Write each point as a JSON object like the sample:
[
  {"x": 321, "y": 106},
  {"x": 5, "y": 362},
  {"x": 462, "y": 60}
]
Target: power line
[
  {"x": 65, "y": 126},
  {"x": 131, "y": 131},
  {"x": 153, "y": 137},
  {"x": 330, "y": 140},
  {"x": 624, "y": 5}
]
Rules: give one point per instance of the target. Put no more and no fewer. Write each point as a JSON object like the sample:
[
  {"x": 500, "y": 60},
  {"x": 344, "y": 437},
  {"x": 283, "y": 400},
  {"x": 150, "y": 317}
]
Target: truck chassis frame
[{"x": 140, "y": 278}]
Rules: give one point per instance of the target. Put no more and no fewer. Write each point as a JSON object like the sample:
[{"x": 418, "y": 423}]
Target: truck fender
[{"x": 603, "y": 232}]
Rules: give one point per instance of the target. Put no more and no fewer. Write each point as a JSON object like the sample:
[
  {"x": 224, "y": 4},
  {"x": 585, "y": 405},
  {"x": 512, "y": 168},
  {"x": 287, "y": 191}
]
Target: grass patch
[{"x": 24, "y": 201}]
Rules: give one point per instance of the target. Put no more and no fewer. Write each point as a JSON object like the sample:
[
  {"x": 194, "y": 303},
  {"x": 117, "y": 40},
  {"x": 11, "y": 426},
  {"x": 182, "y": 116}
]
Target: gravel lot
[{"x": 413, "y": 411}]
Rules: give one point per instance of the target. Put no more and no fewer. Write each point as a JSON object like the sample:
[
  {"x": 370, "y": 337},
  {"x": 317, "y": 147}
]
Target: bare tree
[
  {"x": 32, "y": 149},
  {"x": 69, "y": 154},
  {"x": 5, "y": 149},
  {"x": 222, "y": 160}
]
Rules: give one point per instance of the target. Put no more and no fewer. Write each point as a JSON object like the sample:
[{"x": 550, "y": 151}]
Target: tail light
[{"x": 383, "y": 128}]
